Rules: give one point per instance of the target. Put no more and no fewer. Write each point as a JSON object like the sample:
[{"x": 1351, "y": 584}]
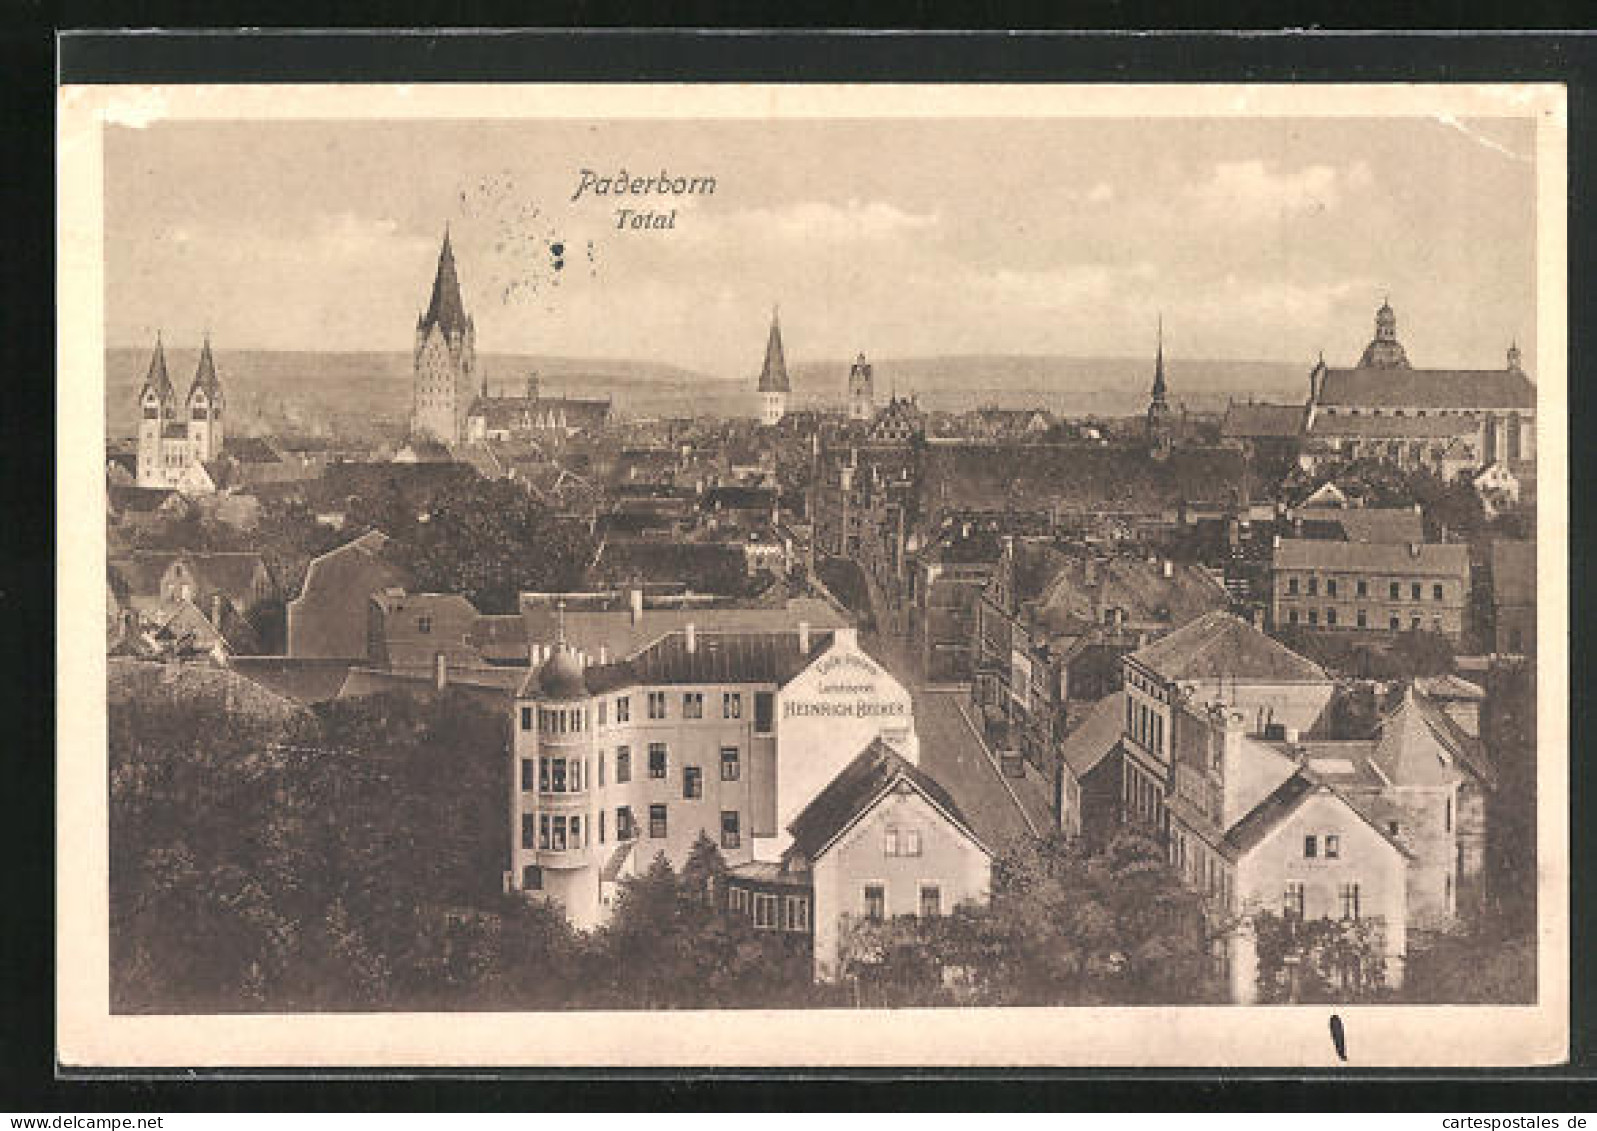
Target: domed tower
[
  {"x": 205, "y": 407},
  {"x": 861, "y": 391},
  {"x": 1161, "y": 425},
  {"x": 774, "y": 386},
  {"x": 446, "y": 357},
  {"x": 157, "y": 409},
  {"x": 1384, "y": 350}
]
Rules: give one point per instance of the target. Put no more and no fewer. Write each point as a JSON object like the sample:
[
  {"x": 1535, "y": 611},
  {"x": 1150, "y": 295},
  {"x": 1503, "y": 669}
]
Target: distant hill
[{"x": 369, "y": 393}]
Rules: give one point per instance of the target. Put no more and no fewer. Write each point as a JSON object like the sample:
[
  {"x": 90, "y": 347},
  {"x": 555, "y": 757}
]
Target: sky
[{"x": 1267, "y": 239}]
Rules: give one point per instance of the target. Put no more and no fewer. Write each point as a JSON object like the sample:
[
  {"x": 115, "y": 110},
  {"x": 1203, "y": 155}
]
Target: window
[
  {"x": 603, "y": 708},
  {"x": 1314, "y": 587},
  {"x": 1292, "y": 616},
  {"x": 1393, "y": 623},
  {"x": 625, "y": 828},
  {"x": 1330, "y": 617},
  {"x": 1333, "y": 846},
  {"x": 796, "y": 913},
  {"x": 731, "y": 834},
  {"x": 557, "y": 838},
  {"x": 1395, "y": 591},
  {"x": 526, "y": 718},
  {"x": 1436, "y": 591},
  {"x": 1292, "y": 586},
  {"x": 526, "y": 773},
  {"x": 1413, "y": 624},
  {"x": 576, "y": 832},
  {"x": 692, "y": 783},
  {"x": 424, "y": 624},
  {"x": 764, "y": 910},
  {"x": 764, "y": 709},
  {"x": 601, "y": 769},
  {"x": 1363, "y": 588},
  {"x": 543, "y": 774},
  {"x": 543, "y": 831},
  {"x": 732, "y": 705},
  {"x": 931, "y": 901},
  {"x": 657, "y": 822},
  {"x": 1314, "y": 616},
  {"x": 1363, "y": 619},
  {"x": 1447, "y": 817},
  {"x": 1292, "y": 899},
  {"x": 693, "y": 704},
  {"x": 526, "y": 830},
  {"x": 656, "y": 704},
  {"x": 1311, "y": 847},
  {"x": 624, "y": 709},
  {"x": 532, "y": 878},
  {"x": 657, "y": 760},
  {"x": 623, "y": 764},
  {"x": 1350, "y": 901},
  {"x": 557, "y": 775},
  {"x": 1330, "y": 587},
  {"x": 876, "y": 902},
  {"x": 729, "y": 763},
  {"x": 900, "y": 842},
  {"x": 601, "y": 826}
]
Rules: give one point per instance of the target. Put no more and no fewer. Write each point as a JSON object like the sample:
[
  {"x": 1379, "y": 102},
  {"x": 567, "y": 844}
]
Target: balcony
[{"x": 563, "y": 857}]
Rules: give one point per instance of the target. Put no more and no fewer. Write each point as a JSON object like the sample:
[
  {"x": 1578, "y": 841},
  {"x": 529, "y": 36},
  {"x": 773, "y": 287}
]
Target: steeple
[
  {"x": 1158, "y": 367},
  {"x": 446, "y": 309},
  {"x": 157, "y": 379},
  {"x": 205, "y": 378},
  {"x": 1514, "y": 357},
  {"x": 773, "y": 377}
]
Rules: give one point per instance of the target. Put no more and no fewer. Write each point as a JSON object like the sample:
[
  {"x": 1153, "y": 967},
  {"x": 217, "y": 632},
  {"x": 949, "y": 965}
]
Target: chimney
[
  {"x": 1413, "y": 549},
  {"x": 636, "y": 597},
  {"x": 804, "y": 637},
  {"x": 216, "y": 611},
  {"x": 604, "y": 654},
  {"x": 1291, "y": 735},
  {"x": 692, "y": 638},
  {"x": 440, "y": 670},
  {"x": 1169, "y": 568}
]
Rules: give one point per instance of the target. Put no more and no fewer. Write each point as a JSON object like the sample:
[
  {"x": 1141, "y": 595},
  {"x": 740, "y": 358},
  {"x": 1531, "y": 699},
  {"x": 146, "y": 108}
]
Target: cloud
[
  {"x": 1048, "y": 288},
  {"x": 1253, "y": 191},
  {"x": 818, "y": 221}
]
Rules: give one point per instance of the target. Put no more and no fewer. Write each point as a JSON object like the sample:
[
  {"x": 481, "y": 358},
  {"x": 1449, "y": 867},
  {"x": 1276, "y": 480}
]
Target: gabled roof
[
  {"x": 229, "y": 573},
  {"x": 1265, "y": 817},
  {"x": 250, "y": 449},
  {"x": 446, "y": 310},
  {"x": 1419, "y": 744},
  {"x": 1380, "y": 524},
  {"x": 773, "y": 375},
  {"x": 1410, "y": 559},
  {"x": 856, "y": 790},
  {"x": 1427, "y": 388},
  {"x": 1219, "y": 645},
  {"x": 613, "y": 630},
  {"x": 1097, "y": 735},
  {"x": 1262, "y": 421}
]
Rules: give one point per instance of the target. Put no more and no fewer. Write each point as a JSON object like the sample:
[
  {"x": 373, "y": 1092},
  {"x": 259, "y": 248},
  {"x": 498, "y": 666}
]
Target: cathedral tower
[
  {"x": 446, "y": 357},
  {"x": 157, "y": 409},
  {"x": 861, "y": 391},
  {"x": 205, "y": 407},
  {"x": 774, "y": 386},
  {"x": 1384, "y": 350}
]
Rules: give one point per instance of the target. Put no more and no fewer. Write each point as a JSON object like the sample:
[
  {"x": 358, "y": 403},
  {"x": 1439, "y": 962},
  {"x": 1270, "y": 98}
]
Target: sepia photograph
[{"x": 682, "y": 575}]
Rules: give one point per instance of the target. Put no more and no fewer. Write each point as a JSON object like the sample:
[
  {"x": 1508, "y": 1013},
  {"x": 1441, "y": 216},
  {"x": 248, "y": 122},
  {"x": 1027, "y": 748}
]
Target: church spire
[
  {"x": 773, "y": 377},
  {"x": 157, "y": 378},
  {"x": 446, "y": 310},
  {"x": 1158, "y": 367}
]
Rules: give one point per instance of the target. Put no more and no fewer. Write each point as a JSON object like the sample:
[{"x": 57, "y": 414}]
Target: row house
[{"x": 1378, "y": 588}]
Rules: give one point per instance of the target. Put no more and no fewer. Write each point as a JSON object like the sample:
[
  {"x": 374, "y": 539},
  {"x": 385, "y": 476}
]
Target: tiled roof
[
  {"x": 1096, "y": 736},
  {"x": 716, "y": 657},
  {"x": 1266, "y": 816},
  {"x": 205, "y": 379},
  {"x": 230, "y": 573},
  {"x": 1406, "y": 747},
  {"x": 1364, "y": 426},
  {"x": 1262, "y": 421},
  {"x": 1513, "y": 572},
  {"x": 1412, "y": 559},
  {"x": 856, "y": 790},
  {"x": 302, "y": 680},
  {"x": 1219, "y": 645},
  {"x": 531, "y": 413},
  {"x": 139, "y": 500},
  {"x": 1428, "y": 388},
  {"x": 1380, "y": 524},
  {"x": 1134, "y": 585}
]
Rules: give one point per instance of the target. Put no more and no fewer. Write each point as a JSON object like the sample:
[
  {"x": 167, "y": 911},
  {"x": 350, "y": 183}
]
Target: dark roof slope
[
  {"x": 716, "y": 657},
  {"x": 1513, "y": 572},
  {"x": 773, "y": 376},
  {"x": 1220, "y": 645},
  {"x": 856, "y": 788},
  {"x": 1428, "y": 388},
  {"x": 1097, "y": 734},
  {"x": 1262, "y": 421},
  {"x": 1410, "y": 559},
  {"x": 446, "y": 309}
]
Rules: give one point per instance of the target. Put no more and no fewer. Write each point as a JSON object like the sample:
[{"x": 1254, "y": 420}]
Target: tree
[{"x": 1319, "y": 960}]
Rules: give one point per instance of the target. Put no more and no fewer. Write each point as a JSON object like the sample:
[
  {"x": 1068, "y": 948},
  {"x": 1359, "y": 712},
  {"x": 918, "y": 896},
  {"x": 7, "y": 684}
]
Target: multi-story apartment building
[
  {"x": 727, "y": 733},
  {"x": 1370, "y": 587}
]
